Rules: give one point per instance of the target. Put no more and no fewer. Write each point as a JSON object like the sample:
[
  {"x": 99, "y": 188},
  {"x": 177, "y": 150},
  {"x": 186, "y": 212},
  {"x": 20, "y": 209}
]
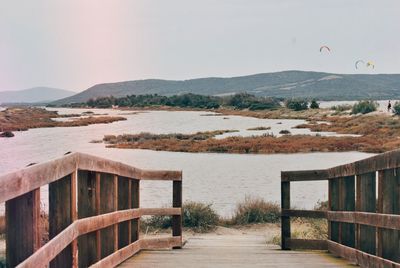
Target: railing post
[
  {"x": 389, "y": 196},
  {"x": 334, "y": 197},
  {"x": 60, "y": 193},
  {"x": 366, "y": 202},
  {"x": 124, "y": 202},
  {"x": 22, "y": 227},
  {"x": 347, "y": 202},
  {"x": 87, "y": 208},
  {"x": 177, "y": 203},
  {"x": 285, "y": 220},
  {"x": 135, "y": 194}
]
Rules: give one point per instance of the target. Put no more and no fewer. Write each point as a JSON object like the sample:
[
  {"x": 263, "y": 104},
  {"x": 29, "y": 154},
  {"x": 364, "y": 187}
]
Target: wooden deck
[{"x": 210, "y": 250}]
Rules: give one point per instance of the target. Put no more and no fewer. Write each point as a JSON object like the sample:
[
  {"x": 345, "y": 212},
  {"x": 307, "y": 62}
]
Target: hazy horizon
[{"x": 73, "y": 45}]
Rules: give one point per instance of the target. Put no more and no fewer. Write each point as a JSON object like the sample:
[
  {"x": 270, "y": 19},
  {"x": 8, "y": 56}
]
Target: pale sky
[{"x": 74, "y": 44}]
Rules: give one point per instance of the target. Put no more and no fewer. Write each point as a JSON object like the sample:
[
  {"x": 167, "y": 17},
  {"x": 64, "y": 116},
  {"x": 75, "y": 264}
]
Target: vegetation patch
[
  {"x": 259, "y": 128},
  {"x": 364, "y": 107},
  {"x": 19, "y": 119},
  {"x": 255, "y": 210}
]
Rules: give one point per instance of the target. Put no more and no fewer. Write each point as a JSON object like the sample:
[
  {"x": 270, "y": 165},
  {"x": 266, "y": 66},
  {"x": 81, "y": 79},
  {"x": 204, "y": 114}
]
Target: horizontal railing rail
[
  {"x": 93, "y": 210},
  {"x": 363, "y": 212}
]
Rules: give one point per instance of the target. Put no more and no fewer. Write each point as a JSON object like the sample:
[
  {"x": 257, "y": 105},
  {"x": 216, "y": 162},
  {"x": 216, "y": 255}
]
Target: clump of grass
[
  {"x": 197, "y": 216},
  {"x": 364, "y": 107},
  {"x": 284, "y": 132},
  {"x": 259, "y": 128},
  {"x": 341, "y": 107},
  {"x": 255, "y": 210}
]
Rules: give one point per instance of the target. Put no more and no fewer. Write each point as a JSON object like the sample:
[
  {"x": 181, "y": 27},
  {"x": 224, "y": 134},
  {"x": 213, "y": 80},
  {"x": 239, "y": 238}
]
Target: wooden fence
[
  {"x": 93, "y": 215},
  {"x": 363, "y": 215}
]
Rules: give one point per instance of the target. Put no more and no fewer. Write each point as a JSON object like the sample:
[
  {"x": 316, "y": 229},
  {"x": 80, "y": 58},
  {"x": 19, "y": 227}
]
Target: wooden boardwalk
[{"x": 245, "y": 250}]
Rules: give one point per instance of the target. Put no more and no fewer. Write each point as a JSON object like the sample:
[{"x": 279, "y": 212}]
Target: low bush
[
  {"x": 342, "y": 107},
  {"x": 364, "y": 107},
  {"x": 284, "y": 132},
  {"x": 197, "y": 216},
  {"x": 396, "y": 108},
  {"x": 296, "y": 104},
  {"x": 256, "y": 210},
  {"x": 314, "y": 104}
]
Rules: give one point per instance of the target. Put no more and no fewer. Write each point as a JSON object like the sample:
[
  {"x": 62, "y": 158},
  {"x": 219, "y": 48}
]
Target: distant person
[{"x": 389, "y": 106}]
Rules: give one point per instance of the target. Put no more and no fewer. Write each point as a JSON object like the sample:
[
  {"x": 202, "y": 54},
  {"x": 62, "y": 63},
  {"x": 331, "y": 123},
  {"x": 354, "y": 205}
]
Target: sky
[{"x": 75, "y": 44}]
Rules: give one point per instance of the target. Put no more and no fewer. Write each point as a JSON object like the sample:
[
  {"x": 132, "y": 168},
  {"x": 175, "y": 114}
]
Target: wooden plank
[
  {"x": 74, "y": 215},
  {"x": 160, "y": 243},
  {"x": 87, "y": 208},
  {"x": 177, "y": 203},
  {"x": 358, "y": 257},
  {"x": 123, "y": 203},
  {"x": 388, "y": 221},
  {"x": 135, "y": 190},
  {"x": 334, "y": 205},
  {"x": 307, "y": 244},
  {"x": 119, "y": 256},
  {"x": 342, "y": 171},
  {"x": 347, "y": 202},
  {"x": 304, "y": 213},
  {"x": 389, "y": 197},
  {"x": 22, "y": 227},
  {"x": 28, "y": 179},
  {"x": 106, "y": 206},
  {"x": 366, "y": 201},
  {"x": 285, "y": 220},
  {"x": 98, "y": 204},
  {"x": 60, "y": 217},
  {"x": 98, "y": 164},
  {"x": 305, "y": 175},
  {"x": 115, "y": 209},
  {"x": 130, "y": 206}
]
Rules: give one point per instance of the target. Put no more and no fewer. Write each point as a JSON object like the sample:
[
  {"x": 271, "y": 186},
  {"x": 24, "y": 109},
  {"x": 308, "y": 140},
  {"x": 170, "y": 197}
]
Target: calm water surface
[{"x": 220, "y": 179}]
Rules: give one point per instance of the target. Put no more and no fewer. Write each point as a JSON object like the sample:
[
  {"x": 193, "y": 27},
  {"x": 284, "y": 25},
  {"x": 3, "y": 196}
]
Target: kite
[
  {"x": 324, "y": 47},
  {"x": 359, "y": 61},
  {"x": 371, "y": 64}
]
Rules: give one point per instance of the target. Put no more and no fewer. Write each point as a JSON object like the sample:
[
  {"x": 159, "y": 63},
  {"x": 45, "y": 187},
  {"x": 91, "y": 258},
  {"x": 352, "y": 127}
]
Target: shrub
[
  {"x": 364, "y": 107},
  {"x": 197, "y": 216},
  {"x": 296, "y": 104},
  {"x": 284, "y": 132},
  {"x": 396, "y": 108},
  {"x": 341, "y": 107},
  {"x": 314, "y": 104},
  {"x": 256, "y": 210}
]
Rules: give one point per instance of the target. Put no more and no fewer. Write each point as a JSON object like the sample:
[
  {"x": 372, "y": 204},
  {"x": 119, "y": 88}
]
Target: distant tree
[
  {"x": 314, "y": 104},
  {"x": 364, "y": 107},
  {"x": 297, "y": 104}
]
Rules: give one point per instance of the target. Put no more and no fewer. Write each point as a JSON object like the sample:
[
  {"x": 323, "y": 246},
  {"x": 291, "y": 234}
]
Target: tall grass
[
  {"x": 255, "y": 210},
  {"x": 364, "y": 107}
]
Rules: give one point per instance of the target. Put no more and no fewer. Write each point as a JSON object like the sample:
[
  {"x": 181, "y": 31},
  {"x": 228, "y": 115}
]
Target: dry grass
[
  {"x": 19, "y": 119},
  {"x": 259, "y": 128}
]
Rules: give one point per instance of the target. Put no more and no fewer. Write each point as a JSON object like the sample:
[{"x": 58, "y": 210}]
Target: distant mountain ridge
[
  {"x": 323, "y": 86},
  {"x": 34, "y": 95}
]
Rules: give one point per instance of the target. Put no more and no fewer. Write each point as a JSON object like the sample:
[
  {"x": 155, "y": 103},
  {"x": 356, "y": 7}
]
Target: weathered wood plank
[
  {"x": 389, "y": 202},
  {"x": 74, "y": 215},
  {"x": 177, "y": 203},
  {"x": 305, "y": 175},
  {"x": 98, "y": 164},
  {"x": 22, "y": 227},
  {"x": 33, "y": 177},
  {"x": 334, "y": 205},
  {"x": 119, "y": 256},
  {"x": 358, "y": 257},
  {"x": 366, "y": 201},
  {"x": 304, "y": 213},
  {"x": 285, "y": 220},
  {"x": 60, "y": 217},
  {"x": 87, "y": 208},
  {"x": 347, "y": 202},
  {"x": 135, "y": 190},
  {"x": 123, "y": 203},
  {"x": 388, "y": 221},
  {"x": 115, "y": 204},
  {"x": 309, "y": 244},
  {"x": 107, "y": 206}
]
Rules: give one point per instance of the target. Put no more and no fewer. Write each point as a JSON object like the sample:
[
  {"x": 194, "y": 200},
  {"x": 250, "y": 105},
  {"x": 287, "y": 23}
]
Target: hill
[
  {"x": 34, "y": 95},
  {"x": 323, "y": 86}
]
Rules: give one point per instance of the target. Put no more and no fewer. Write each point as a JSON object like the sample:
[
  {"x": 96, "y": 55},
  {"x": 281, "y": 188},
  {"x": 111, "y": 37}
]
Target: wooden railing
[
  {"x": 93, "y": 215},
  {"x": 363, "y": 221}
]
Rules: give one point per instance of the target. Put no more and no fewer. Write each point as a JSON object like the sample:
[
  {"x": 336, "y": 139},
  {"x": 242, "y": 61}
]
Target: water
[{"x": 220, "y": 179}]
